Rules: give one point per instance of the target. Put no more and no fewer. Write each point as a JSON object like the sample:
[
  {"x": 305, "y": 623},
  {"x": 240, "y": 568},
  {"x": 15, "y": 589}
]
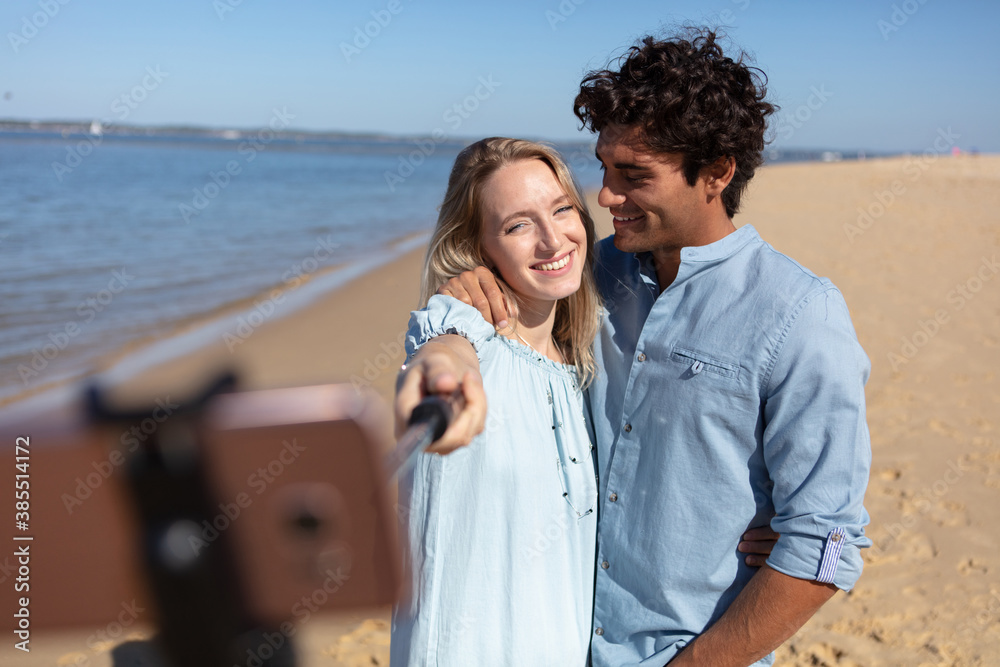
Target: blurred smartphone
[{"x": 296, "y": 482}]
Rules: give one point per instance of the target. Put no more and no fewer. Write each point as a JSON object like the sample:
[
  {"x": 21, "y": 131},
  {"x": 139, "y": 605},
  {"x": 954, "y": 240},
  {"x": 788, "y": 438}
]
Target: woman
[{"x": 502, "y": 533}]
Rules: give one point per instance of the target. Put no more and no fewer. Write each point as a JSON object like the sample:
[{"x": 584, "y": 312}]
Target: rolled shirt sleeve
[{"x": 816, "y": 443}]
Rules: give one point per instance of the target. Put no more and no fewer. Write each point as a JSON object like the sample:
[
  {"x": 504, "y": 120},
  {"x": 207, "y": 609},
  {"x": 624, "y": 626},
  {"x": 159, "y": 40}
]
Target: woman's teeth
[{"x": 554, "y": 266}]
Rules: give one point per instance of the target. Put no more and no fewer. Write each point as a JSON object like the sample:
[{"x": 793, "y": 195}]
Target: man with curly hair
[{"x": 731, "y": 391}]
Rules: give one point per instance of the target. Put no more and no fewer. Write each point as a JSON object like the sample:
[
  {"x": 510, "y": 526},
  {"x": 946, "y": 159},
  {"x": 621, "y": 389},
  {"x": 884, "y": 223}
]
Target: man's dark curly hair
[{"x": 688, "y": 98}]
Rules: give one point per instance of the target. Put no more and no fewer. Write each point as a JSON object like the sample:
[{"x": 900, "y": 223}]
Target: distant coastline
[{"x": 316, "y": 140}]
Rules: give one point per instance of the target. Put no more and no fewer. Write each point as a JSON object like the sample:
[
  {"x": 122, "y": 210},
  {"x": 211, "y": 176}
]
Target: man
[{"x": 731, "y": 388}]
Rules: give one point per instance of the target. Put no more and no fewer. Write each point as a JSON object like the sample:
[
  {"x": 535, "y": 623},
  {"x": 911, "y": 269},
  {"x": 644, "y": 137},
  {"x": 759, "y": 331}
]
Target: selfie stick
[
  {"x": 427, "y": 423},
  {"x": 203, "y": 619}
]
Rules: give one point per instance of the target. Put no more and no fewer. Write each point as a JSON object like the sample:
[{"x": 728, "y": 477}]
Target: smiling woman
[
  {"x": 540, "y": 250},
  {"x": 502, "y": 533},
  {"x": 512, "y": 205}
]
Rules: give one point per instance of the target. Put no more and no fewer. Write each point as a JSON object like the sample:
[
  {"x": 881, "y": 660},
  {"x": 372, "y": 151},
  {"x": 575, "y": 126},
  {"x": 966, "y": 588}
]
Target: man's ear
[{"x": 718, "y": 175}]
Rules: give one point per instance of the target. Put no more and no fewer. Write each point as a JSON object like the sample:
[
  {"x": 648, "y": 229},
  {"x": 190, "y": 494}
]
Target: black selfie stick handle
[
  {"x": 433, "y": 411},
  {"x": 427, "y": 423}
]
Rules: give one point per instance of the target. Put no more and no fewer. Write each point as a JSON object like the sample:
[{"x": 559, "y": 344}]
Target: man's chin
[{"x": 628, "y": 242}]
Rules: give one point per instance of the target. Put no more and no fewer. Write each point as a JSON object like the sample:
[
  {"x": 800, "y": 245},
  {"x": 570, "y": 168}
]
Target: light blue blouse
[{"x": 501, "y": 534}]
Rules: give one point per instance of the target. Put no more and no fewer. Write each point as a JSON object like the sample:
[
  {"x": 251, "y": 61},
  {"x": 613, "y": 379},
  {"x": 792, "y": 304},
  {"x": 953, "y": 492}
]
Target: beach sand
[{"x": 918, "y": 270}]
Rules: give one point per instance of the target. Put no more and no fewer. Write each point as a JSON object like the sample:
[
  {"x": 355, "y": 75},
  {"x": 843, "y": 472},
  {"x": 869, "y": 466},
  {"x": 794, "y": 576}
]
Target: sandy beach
[{"x": 913, "y": 244}]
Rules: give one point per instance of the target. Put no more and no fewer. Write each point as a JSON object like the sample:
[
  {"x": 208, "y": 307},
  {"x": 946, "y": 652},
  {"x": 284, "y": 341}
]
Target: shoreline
[
  {"x": 188, "y": 335},
  {"x": 195, "y": 332}
]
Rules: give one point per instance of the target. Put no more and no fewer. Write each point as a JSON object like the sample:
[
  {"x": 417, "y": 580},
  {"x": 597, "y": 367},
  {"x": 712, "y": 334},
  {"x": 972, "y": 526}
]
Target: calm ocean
[{"x": 136, "y": 236}]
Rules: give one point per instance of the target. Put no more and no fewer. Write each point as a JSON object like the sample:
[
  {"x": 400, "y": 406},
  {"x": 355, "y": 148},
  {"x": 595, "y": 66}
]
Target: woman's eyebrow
[
  {"x": 527, "y": 214},
  {"x": 516, "y": 214}
]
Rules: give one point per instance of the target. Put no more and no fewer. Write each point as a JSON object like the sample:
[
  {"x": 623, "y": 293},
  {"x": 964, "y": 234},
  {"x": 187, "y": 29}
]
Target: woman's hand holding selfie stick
[{"x": 445, "y": 367}]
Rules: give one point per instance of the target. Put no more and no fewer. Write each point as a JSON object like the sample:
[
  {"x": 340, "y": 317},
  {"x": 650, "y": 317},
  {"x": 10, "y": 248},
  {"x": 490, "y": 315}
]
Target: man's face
[{"x": 653, "y": 206}]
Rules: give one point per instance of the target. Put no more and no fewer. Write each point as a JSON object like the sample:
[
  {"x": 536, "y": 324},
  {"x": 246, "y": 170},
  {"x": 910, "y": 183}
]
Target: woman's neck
[{"x": 534, "y": 327}]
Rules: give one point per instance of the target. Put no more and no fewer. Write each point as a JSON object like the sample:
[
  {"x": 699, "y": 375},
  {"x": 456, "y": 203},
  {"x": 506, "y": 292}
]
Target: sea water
[{"x": 107, "y": 240}]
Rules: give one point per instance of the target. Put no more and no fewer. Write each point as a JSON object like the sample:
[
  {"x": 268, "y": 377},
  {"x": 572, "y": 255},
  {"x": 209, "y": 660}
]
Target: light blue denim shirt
[
  {"x": 735, "y": 395},
  {"x": 501, "y": 533}
]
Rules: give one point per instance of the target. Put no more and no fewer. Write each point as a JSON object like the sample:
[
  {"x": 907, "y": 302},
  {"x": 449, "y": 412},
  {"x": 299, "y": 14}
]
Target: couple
[{"x": 724, "y": 392}]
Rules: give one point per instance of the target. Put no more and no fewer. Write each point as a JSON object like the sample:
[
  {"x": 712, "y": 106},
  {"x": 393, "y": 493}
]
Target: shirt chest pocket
[{"x": 701, "y": 364}]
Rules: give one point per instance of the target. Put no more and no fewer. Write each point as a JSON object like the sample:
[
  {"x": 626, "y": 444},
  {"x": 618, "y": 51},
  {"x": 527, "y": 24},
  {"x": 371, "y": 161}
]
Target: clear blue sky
[{"x": 929, "y": 66}]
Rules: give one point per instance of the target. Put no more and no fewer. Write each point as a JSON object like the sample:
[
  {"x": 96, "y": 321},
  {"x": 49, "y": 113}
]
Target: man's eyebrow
[{"x": 622, "y": 165}]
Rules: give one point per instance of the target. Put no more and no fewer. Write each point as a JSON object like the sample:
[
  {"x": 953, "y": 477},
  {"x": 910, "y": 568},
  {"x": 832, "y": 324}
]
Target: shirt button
[
  {"x": 599, "y": 631},
  {"x": 641, "y": 357},
  {"x": 605, "y": 565},
  {"x": 628, "y": 428},
  {"x": 613, "y": 496},
  {"x": 835, "y": 537}
]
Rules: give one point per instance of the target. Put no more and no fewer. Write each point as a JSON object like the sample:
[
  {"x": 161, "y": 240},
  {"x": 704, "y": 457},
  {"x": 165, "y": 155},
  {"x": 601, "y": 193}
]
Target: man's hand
[
  {"x": 478, "y": 288},
  {"x": 769, "y": 610},
  {"x": 446, "y": 366},
  {"x": 758, "y": 543}
]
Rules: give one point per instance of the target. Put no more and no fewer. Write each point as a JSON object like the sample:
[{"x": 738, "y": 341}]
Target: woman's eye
[
  {"x": 514, "y": 228},
  {"x": 564, "y": 209}
]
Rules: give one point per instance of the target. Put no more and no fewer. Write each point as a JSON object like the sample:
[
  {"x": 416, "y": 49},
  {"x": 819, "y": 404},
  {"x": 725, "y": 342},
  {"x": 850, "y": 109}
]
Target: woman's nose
[{"x": 550, "y": 239}]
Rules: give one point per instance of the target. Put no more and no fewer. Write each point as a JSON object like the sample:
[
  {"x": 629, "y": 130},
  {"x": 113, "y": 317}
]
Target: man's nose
[{"x": 607, "y": 197}]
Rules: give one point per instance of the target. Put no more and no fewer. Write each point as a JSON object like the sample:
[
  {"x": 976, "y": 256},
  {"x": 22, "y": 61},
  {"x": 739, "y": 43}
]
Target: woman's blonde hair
[{"x": 457, "y": 243}]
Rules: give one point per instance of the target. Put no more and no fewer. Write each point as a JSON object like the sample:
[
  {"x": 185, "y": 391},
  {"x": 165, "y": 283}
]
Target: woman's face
[{"x": 532, "y": 233}]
